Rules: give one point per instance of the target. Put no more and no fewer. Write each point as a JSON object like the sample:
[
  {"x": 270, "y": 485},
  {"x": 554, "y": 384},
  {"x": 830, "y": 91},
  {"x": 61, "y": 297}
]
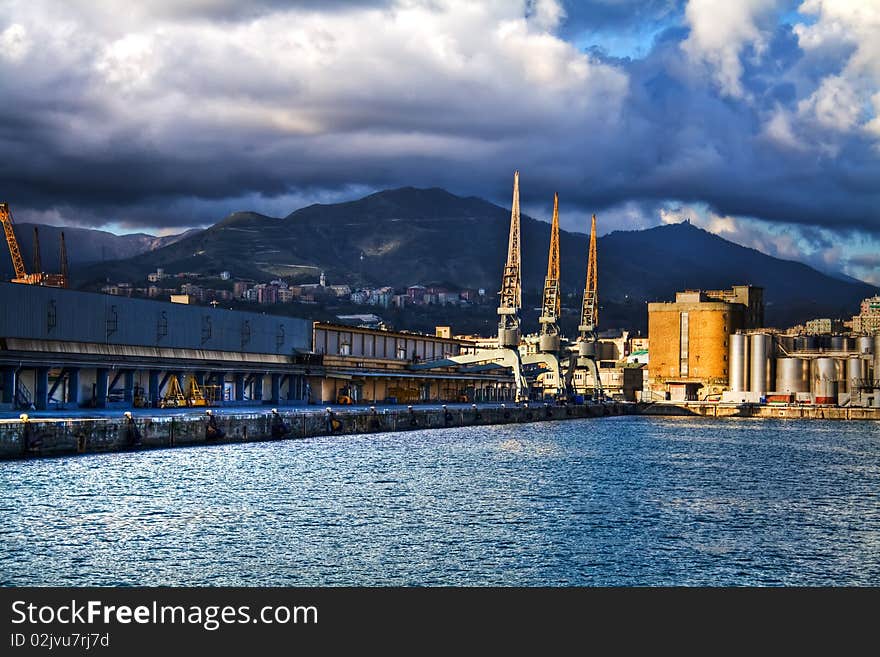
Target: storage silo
[
  {"x": 838, "y": 343},
  {"x": 824, "y": 381},
  {"x": 865, "y": 344},
  {"x": 787, "y": 343},
  {"x": 739, "y": 362},
  {"x": 759, "y": 379},
  {"x": 876, "y": 374},
  {"x": 792, "y": 375},
  {"x": 825, "y": 392},
  {"x": 855, "y": 371},
  {"x": 842, "y": 382}
]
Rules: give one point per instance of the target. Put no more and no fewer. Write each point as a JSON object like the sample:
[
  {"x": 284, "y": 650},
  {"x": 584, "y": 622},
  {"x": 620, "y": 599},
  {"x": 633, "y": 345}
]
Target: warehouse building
[
  {"x": 65, "y": 349},
  {"x": 365, "y": 365}
]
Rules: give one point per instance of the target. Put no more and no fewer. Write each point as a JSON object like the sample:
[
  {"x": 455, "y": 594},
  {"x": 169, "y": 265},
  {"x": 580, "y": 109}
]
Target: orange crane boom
[
  {"x": 551, "y": 305},
  {"x": 511, "y": 280},
  {"x": 590, "y": 308},
  {"x": 21, "y": 275}
]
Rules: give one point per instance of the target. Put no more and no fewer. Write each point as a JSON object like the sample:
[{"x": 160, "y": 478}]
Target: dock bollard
[
  {"x": 332, "y": 423},
  {"x": 132, "y": 433},
  {"x": 212, "y": 431},
  {"x": 278, "y": 427},
  {"x": 375, "y": 422}
]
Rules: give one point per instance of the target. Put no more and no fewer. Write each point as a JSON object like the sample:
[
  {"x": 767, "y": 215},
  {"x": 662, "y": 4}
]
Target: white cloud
[
  {"x": 14, "y": 42},
  {"x": 720, "y": 31},
  {"x": 840, "y": 101}
]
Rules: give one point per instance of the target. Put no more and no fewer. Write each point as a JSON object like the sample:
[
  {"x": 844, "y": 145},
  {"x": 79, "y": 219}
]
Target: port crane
[
  {"x": 39, "y": 277},
  {"x": 549, "y": 345},
  {"x": 585, "y": 350}
]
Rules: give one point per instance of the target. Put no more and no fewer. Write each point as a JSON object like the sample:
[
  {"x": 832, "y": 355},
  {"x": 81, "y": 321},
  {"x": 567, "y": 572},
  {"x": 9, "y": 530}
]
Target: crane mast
[
  {"x": 585, "y": 354},
  {"x": 21, "y": 275},
  {"x": 551, "y": 302},
  {"x": 590, "y": 307},
  {"x": 38, "y": 261},
  {"x": 38, "y": 277},
  {"x": 63, "y": 262},
  {"x": 511, "y": 281}
]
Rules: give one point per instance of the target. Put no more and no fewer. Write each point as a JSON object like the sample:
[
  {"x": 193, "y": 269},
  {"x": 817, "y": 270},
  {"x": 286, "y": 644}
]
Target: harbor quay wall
[
  {"x": 708, "y": 409},
  {"x": 38, "y": 437}
]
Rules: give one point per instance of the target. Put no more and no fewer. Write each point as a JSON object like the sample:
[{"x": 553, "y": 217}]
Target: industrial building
[
  {"x": 373, "y": 365},
  {"x": 68, "y": 349},
  {"x": 690, "y": 340},
  {"x": 65, "y": 349},
  {"x": 806, "y": 369}
]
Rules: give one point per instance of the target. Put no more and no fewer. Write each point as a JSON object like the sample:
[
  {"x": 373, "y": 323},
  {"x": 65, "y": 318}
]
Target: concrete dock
[
  {"x": 787, "y": 411},
  {"x": 57, "y": 436}
]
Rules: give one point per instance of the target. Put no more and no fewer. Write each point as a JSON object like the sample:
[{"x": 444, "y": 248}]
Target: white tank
[
  {"x": 792, "y": 375},
  {"x": 865, "y": 344},
  {"x": 759, "y": 373},
  {"x": 739, "y": 362}
]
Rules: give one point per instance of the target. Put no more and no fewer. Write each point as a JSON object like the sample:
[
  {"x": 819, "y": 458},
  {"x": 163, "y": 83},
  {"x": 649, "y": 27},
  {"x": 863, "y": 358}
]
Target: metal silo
[
  {"x": 866, "y": 344},
  {"x": 759, "y": 379},
  {"x": 825, "y": 392},
  {"x": 739, "y": 362},
  {"x": 855, "y": 371},
  {"x": 838, "y": 343},
  {"x": 792, "y": 375},
  {"x": 787, "y": 343},
  {"x": 842, "y": 382},
  {"x": 824, "y": 381}
]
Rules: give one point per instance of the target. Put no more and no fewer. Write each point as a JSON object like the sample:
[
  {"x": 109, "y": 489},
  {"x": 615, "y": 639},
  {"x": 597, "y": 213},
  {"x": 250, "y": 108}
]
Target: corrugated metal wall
[{"x": 46, "y": 313}]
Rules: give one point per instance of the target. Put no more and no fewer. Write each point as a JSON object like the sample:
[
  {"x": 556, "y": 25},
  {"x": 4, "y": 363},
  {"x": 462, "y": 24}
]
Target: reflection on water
[{"x": 612, "y": 501}]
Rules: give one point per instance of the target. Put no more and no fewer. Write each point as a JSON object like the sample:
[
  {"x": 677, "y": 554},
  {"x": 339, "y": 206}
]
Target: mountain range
[
  {"x": 84, "y": 246},
  {"x": 405, "y": 236}
]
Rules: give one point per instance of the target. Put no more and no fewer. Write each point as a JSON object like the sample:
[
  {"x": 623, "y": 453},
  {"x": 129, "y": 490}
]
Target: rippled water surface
[{"x": 611, "y": 501}]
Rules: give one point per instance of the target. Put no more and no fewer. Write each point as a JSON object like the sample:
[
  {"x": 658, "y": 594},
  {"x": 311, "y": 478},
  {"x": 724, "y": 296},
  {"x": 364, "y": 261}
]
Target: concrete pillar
[
  {"x": 200, "y": 378},
  {"x": 257, "y": 388},
  {"x": 73, "y": 386},
  {"x": 8, "y": 385},
  {"x": 276, "y": 388},
  {"x": 128, "y": 386},
  {"x": 41, "y": 388},
  {"x": 153, "y": 388},
  {"x": 239, "y": 387},
  {"x": 101, "y": 382}
]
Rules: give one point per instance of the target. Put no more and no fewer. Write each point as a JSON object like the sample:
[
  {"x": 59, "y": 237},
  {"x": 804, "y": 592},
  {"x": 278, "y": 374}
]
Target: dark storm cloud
[{"x": 179, "y": 122}]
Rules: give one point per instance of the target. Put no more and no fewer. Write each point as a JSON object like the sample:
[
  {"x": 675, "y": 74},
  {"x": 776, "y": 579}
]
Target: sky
[{"x": 758, "y": 120}]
